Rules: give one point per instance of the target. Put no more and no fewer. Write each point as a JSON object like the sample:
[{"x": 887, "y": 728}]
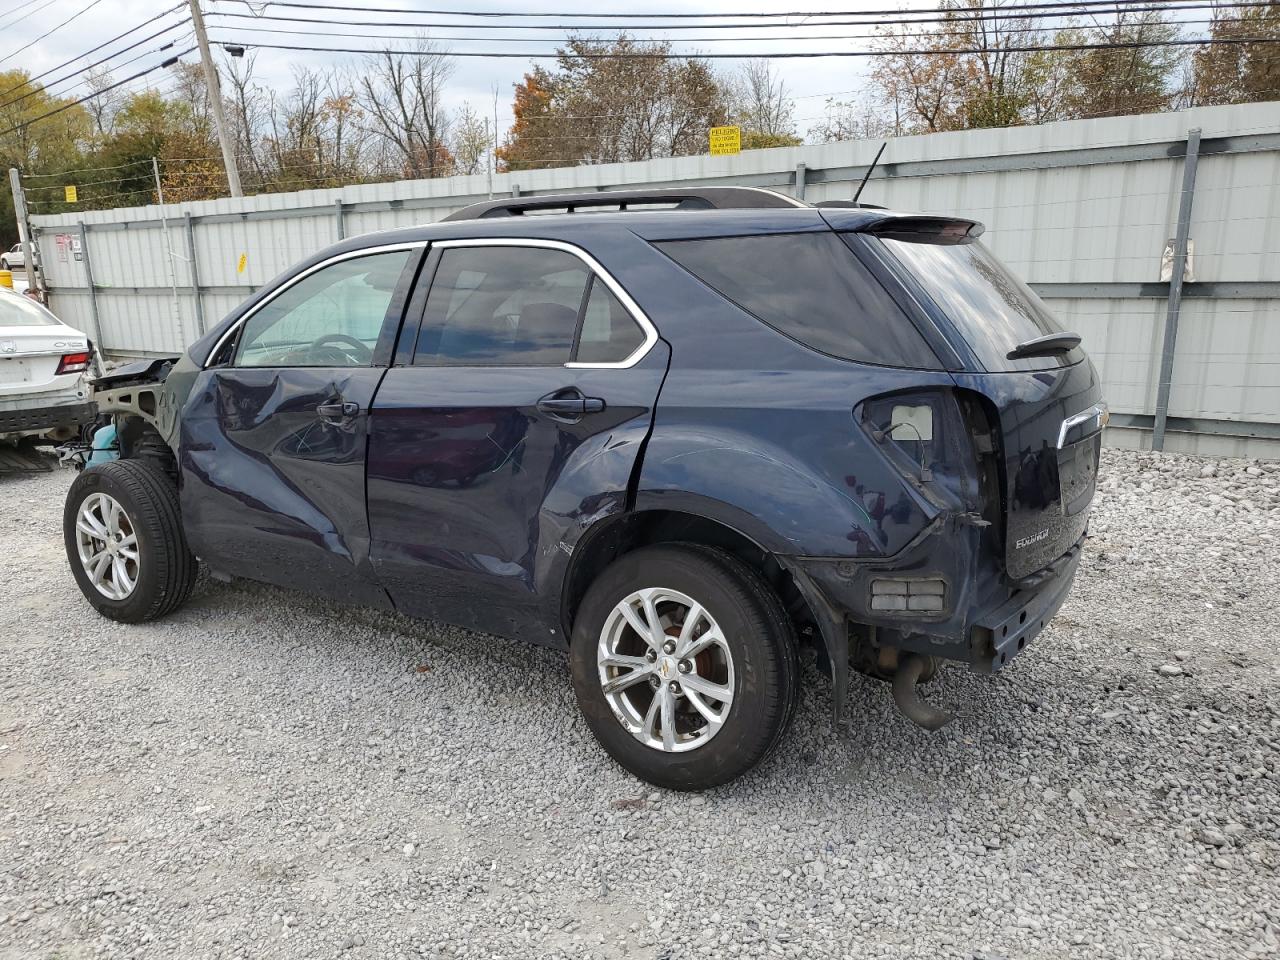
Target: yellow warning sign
[
  {"x": 69, "y": 192},
  {"x": 244, "y": 262},
  {"x": 726, "y": 140}
]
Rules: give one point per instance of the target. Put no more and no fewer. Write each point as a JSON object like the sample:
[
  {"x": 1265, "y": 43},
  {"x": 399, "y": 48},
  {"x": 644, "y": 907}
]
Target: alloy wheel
[
  {"x": 666, "y": 669},
  {"x": 108, "y": 546}
]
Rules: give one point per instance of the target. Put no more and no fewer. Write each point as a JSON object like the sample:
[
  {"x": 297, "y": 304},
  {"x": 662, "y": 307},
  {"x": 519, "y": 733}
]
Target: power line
[
  {"x": 105, "y": 43},
  {"x": 96, "y": 93},
  {"x": 717, "y": 39},
  {"x": 45, "y": 88},
  {"x": 684, "y": 15},
  {"x": 900, "y": 20},
  {"x": 781, "y": 55},
  {"x": 29, "y": 13},
  {"x": 51, "y": 30}
]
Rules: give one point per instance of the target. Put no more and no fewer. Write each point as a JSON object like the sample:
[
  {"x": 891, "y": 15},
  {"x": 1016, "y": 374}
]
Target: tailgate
[{"x": 1051, "y": 429}]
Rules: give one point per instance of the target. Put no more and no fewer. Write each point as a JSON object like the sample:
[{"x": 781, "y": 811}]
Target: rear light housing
[
  {"x": 908, "y": 594},
  {"x": 913, "y": 429},
  {"x": 74, "y": 362}
]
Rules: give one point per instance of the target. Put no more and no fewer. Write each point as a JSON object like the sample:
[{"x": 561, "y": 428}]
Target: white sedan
[
  {"x": 42, "y": 373},
  {"x": 13, "y": 258}
]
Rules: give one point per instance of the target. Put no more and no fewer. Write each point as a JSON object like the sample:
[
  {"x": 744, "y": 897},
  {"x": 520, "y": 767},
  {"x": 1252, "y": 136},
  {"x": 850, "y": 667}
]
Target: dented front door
[
  {"x": 273, "y": 465},
  {"x": 274, "y": 432}
]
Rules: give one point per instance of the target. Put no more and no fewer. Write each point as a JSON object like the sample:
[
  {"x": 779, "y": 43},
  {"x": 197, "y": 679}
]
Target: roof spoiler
[
  {"x": 917, "y": 229},
  {"x": 677, "y": 198}
]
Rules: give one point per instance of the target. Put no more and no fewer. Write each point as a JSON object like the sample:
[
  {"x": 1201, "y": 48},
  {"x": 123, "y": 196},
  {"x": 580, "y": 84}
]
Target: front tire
[
  {"x": 684, "y": 665},
  {"x": 122, "y": 528}
]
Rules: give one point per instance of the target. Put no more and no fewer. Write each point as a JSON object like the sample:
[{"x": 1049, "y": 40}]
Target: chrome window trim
[
  {"x": 338, "y": 258},
  {"x": 642, "y": 320},
  {"x": 1097, "y": 412}
]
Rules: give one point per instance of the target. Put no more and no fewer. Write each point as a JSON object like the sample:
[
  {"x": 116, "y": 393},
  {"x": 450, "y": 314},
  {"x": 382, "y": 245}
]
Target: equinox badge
[{"x": 1025, "y": 542}]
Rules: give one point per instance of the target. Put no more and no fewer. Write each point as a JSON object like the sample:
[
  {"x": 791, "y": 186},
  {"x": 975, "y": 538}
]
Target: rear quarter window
[{"x": 811, "y": 287}]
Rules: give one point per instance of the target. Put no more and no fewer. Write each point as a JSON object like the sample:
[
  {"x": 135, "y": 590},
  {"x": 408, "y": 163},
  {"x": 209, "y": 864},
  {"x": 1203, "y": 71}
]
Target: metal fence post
[
  {"x": 195, "y": 275},
  {"x": 1165, "y": 383},
  {"x": 338, "y": 219},
  {"x": 93, "y": 294},
  {"x": 800, "y": 180}
]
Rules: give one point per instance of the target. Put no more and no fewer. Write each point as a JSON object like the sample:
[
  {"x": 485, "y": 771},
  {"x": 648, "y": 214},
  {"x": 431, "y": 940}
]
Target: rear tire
[
  {"x": 156, "y": 569},
  {"x": 732, "y": 700}
]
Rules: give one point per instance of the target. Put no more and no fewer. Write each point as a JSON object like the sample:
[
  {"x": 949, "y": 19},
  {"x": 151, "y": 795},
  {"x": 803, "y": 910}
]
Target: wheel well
[
  {"x": 612, "y": 538},
  {"x": 140, "y": 440}
]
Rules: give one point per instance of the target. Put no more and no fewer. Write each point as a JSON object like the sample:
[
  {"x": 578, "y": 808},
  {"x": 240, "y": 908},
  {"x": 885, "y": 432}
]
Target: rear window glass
[
  {"x": 993, "y": 309},
  {"x": 811, "y": 287},
  {"x": 16, "y": 311}
]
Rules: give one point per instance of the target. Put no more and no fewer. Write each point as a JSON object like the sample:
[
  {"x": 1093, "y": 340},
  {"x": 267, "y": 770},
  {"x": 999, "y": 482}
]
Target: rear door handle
[
  {"x": 338, "y": 410},
  {"x": 569, "y": 405}
]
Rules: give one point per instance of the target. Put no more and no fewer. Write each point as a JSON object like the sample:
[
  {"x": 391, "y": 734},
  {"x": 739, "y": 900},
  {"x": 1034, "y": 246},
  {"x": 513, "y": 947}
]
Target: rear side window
[
  {"x": 609, "y": 335},
  {"x": 521, "y": 306},
  {"x": 811, "y": 287},
  {"x": 993, "y": 309}
]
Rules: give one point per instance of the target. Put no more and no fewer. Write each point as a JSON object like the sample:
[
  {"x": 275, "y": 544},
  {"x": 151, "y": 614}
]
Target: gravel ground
[{"x": 267, "y": 775}]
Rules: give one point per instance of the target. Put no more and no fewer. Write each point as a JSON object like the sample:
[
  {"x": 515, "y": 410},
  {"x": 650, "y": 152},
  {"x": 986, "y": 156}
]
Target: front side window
[
  {"x": 331, "y": 318},
  {"x": 521, "y": 306},
  {"x": 811, "y": 287}
]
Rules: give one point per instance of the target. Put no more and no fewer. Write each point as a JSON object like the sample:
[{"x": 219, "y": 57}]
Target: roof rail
[{"x": 677, "y": 198}]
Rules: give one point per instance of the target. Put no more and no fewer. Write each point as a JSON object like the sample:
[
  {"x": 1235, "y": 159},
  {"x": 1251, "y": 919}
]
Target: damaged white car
[{"x": 43, "y": 363}]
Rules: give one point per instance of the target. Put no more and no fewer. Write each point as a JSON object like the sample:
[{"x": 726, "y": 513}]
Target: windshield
[
  {"x": 993, "y": 309},
  {"x": 20, "y": 312}
]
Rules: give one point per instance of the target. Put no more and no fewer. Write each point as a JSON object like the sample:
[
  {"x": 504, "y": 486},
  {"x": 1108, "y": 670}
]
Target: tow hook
[{"x": 908, "y": 699}]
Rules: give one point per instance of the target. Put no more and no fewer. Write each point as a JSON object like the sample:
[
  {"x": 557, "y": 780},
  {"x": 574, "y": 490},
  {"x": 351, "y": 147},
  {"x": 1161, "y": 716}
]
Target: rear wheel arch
[{"x": 616, "y": 536}]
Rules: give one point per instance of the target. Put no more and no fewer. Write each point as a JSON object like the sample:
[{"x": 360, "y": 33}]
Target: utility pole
[
  {"x": 215, "y": 100},
  {"x": 35, "y": 278}
]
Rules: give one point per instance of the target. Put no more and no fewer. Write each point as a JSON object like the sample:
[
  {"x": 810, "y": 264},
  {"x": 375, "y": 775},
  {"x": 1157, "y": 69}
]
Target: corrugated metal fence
[{"x": 1083, "y": 210}]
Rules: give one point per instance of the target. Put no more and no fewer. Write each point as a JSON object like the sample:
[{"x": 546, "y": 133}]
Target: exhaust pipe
[{"x": 908, "y": 700}]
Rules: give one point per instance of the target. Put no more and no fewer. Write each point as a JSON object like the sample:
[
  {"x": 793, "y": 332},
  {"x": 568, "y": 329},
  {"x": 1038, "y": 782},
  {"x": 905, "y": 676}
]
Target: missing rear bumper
[{"x": 1002, "y": 634}]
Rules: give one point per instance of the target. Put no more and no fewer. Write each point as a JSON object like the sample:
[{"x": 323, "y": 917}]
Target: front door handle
[
  {"x": 338, "y": 410},
  {"x": 569, "y": 405}
]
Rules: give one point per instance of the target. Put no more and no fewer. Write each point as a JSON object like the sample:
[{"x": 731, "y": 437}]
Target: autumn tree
[
  {"x": 608, "y": 101},
  {"x": 1132, "y": 74},
  {"x": 1236, "y": 72},
  {"x": 988, "y": 63},
  {"x": 32, "y": 144}
]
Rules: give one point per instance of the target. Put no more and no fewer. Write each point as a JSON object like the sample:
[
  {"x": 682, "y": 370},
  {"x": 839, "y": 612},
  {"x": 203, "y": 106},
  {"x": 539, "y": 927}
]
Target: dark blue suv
[{"x": 676, "y": 432}]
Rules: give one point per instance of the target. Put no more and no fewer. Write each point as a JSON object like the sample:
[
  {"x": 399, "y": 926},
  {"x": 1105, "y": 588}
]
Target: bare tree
[
  {"x": 104, "y": 106},
  {"x": 192, "y": 93},
  {"x": 471, "y": 141},
  {"x": 759, "y": 102},
  {"x": 249, "y": 113},
  {"x": 402, "y": 94},
  {"x": 851, "y": 120}
]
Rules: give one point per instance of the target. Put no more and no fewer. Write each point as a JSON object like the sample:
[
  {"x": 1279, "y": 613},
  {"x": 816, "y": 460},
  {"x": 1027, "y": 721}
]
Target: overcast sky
[{"x": 22, "y": 23}]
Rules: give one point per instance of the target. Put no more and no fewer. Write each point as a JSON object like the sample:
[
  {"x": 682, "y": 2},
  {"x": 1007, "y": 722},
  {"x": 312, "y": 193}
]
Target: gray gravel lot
[{"x": 267, "y": 775}]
